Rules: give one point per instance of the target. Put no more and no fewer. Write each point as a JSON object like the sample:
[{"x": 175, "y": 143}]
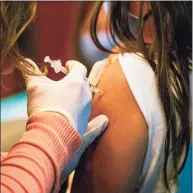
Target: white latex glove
[
  {"x": 95, "y": 128},
  {"x": 70, "y": 96}
]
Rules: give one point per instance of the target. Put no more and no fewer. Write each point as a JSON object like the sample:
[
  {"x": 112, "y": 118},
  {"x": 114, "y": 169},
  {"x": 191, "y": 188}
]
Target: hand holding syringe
[{"x": 94, "y": 76}]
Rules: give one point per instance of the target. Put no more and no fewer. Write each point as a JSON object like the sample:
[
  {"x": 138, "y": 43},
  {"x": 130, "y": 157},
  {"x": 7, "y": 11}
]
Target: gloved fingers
[
  {"x": 76, "y": 68},
  {"x": 95, "y": 128},
  {"x": 34, "y": 70}
]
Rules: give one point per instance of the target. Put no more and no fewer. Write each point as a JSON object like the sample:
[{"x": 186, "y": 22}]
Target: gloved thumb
[
  {"x": 95, "y": 128},
  {"x": 75, "y": 67}
]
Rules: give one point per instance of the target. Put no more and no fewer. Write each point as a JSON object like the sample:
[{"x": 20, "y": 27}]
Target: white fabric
[{"x": 142, "y": 82}]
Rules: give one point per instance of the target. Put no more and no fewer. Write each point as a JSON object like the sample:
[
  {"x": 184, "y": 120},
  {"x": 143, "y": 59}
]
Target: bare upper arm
[{"x": 113, "y": 163}]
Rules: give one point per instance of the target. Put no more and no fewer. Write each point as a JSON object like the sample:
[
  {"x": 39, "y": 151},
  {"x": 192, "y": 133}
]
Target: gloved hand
[
  {"x": 70, "y": 96},
  {"x": 95, "y": 128}
]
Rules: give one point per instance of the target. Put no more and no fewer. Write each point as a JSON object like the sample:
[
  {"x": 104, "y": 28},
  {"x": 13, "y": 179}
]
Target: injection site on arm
[{"x": 93, "y": 78}]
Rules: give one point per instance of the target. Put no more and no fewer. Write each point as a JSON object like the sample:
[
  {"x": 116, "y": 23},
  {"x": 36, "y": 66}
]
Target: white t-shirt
[{"x": 143, "y": 84}]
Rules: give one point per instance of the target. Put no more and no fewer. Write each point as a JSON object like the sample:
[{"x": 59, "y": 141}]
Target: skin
[
  {"x": 113, "y": 163},
  {"x": 117, "y": 157}
]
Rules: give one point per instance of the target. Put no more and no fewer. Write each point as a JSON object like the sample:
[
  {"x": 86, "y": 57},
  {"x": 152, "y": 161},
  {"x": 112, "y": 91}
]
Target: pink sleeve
[{"x": 33, "y": 165}]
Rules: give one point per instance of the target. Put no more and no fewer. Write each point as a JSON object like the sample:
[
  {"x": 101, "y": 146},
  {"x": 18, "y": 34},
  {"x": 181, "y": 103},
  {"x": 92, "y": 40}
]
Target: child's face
[{"x": 148, "y": 27}]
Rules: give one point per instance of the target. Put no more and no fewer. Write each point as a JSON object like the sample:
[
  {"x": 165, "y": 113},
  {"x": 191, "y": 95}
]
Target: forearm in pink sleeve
[{"x": 34, "y": 164}]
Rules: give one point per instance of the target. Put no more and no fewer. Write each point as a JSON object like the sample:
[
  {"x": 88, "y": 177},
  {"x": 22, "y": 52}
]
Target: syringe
[
  {"x": 56, "y": 65},
  {"x": 93, "y": 78}
]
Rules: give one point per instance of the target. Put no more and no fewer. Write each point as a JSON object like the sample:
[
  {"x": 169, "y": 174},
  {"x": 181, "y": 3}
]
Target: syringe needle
[
  {"x": 57, "y": 66},
  {"x": 96, "y": 90}
]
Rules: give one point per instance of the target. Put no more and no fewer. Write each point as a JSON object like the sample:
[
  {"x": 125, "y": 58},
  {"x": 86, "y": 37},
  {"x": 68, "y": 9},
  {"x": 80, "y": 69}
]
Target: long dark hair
[
  {"x": 172, "y": 49},
  {"x": 15, "y": 18}
]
